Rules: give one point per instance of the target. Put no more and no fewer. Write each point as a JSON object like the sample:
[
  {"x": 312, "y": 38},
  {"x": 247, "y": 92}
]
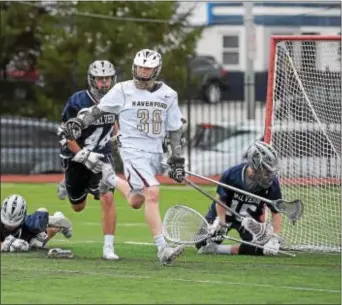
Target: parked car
[
  {"x": 303, "y": 148},
  {"x": 225, "y": 149},
  {"x": 29, "y": 146},
  {"x": 211, "y": 77}
]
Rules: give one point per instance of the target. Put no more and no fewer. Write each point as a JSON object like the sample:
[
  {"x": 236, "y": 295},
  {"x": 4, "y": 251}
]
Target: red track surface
[{"x": 55, "y": 178}]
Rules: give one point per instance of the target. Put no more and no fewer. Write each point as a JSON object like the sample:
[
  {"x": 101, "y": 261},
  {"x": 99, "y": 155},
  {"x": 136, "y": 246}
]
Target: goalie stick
[
  {"x": 292, "y": 209},
  {"x": 184, "y": 225},
  {"x": 261, "y": 232}
]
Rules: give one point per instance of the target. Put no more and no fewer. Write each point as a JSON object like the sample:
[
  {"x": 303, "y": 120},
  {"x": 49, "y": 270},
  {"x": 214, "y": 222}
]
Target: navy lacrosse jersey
[
  {"x": 244, "y": 205},
  {"x": 34, "y": 224},
  {"x": 95, "y": 137}
]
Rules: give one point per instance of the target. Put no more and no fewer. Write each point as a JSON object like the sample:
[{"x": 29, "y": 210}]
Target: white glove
[
  {"x": 39, "y": 240},
  {"x": 90, "y": 159},
  {"x": 272, "y": 246},
  {"x": 215, "y": 226},
  {"x": 12, "y": 244}
]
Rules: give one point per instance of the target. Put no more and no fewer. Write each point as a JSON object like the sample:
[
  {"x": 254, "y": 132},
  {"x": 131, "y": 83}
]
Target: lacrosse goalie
[
  {"x": 257, "y": 176},
  {"x": 21, "y": 232}
]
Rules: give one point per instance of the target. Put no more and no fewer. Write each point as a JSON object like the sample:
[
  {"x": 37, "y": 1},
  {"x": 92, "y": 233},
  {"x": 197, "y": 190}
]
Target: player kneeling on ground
[
  {"x": 257, "y": 176},
  {"x": 21, "y": 232}
]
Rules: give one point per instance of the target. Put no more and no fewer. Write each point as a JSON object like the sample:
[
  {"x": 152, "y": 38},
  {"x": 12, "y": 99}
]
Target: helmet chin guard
[
  {"x": 98, "y": 69},
  {"x": 147, "y": 59}
]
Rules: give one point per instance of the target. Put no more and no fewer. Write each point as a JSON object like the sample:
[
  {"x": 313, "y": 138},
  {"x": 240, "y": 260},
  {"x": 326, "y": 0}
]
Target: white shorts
[{"x": 141, "y": 167}]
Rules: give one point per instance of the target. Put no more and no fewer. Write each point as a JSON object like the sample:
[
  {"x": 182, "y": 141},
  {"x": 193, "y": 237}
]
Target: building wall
[{"x": 270, "y": 18}]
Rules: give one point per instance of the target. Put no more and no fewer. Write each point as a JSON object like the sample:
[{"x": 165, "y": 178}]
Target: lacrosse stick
[
  {"x": 261, "y": 232},
  {"x": 184, "y": 225},
  {"x": 292, "y": 209}
]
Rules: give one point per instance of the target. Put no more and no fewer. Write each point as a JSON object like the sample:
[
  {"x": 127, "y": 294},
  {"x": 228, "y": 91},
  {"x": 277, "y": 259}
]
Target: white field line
[
  {"x": 225, "y": 283},
  {"x": 66, "y": 241},
  {"x": 127, "y": 224}
]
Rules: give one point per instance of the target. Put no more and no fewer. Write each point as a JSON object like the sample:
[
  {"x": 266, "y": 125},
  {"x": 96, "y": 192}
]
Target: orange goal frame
[{"x": 269, "y": 98}]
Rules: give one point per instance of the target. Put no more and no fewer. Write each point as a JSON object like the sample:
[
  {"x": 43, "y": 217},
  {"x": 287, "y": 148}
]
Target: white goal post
[{"x": 303, "y": 123}]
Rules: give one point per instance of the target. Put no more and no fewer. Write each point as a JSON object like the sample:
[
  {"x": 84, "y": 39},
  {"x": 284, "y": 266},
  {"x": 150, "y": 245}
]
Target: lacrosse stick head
[
  {"x": 261, "y": 231},
  {"x": 183, "y": 225},
  {"x": 293, "y": 209}
]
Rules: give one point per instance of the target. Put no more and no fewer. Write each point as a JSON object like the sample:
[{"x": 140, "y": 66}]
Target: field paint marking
[
  {"x": 127, "y": 224},
  {"x": 138, "y": 243},
  {"x": 99, "y": 242},
  {"x": 177, "y": 279}
]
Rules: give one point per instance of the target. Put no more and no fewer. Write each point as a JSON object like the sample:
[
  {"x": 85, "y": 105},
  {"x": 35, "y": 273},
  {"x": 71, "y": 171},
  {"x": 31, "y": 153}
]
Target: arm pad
[
  {"x": 90, "y": 115},
  {"x": 175, "y": 142}
]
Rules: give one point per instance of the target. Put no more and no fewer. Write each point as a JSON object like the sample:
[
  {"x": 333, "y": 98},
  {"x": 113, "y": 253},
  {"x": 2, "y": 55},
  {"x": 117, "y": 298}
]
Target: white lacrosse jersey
[{"x": 144, "y": 117}]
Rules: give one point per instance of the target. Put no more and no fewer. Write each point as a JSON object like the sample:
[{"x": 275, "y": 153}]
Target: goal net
[{"x": 303, "y": 123}]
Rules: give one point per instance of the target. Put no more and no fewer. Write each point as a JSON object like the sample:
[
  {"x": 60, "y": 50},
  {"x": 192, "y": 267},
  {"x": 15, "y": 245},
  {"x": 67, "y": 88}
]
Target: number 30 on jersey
[{"x": 144, "y": 125}]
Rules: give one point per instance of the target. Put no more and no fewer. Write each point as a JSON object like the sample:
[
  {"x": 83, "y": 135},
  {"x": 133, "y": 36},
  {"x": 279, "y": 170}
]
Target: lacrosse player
[
  {"x": 147, "y": 109},
  {"x": 22, "y": 232},
  {"x": 83, "y": 160},
  {"x": 257, "y": 176}
]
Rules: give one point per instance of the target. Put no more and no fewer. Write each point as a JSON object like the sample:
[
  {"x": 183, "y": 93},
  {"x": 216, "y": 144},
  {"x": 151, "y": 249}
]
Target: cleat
[
  {"x": 168, "y": 254},
  {"x": 209, "y": 248},
  {"x": 58, "y": 220},
  {"x": 61, "y": 190},
  {"x": 108, "y": 253}
]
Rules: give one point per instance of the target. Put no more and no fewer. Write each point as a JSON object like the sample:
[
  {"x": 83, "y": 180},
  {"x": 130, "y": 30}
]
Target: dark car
[
  {"x": 29, "y": 146},
  {"x": 210, "y": 76}
]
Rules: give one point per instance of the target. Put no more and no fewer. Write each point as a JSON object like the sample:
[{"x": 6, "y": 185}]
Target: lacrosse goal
[{"x": 303, "y": 123}]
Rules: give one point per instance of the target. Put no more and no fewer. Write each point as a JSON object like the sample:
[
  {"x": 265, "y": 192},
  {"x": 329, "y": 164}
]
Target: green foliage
[
  {"x": 72, "y": 41},
  {"x": 67, "y": 36}
]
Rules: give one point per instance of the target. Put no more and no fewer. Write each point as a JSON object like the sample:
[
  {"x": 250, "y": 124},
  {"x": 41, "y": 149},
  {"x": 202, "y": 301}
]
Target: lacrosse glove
[
  {"x": 90, "y": 159},
  {"x": 176, "y": 172},
  {"x": 12, "y": 244}
]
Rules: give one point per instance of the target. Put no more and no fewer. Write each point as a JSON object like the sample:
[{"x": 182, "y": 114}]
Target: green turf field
[{"x": 138, "y": 277}]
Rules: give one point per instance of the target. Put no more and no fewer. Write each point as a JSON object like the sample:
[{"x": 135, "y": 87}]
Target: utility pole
[{"x": 249, "y": 80}]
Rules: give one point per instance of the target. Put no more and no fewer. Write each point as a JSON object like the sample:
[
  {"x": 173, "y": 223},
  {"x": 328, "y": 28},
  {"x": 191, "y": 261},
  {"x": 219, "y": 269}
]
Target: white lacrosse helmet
[
  {"x": 13, "y": 211},
  {"x": 101, "y": 68},
  {"x": 147, "y": 59},
  {"x": 263, "y": 158}
]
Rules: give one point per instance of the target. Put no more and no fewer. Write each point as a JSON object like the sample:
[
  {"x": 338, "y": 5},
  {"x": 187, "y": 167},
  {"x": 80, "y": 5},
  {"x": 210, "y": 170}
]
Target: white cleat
[
  {"x": 61, "y": 190},
  {"x": 168, "y": 254},
  {"x": 108, "y": 253},
  {"x": 209, "y": 248},
  {"x": 58, "y": 220}
]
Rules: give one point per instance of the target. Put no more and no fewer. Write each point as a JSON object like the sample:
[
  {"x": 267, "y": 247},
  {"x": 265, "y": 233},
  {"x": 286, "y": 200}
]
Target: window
[
  {"x": 230, "y": 41},
  {"x": 230, "y": 46}
]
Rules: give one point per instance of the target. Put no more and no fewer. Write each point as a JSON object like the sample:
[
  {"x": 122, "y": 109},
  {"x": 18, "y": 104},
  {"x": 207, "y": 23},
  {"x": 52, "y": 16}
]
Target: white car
[{"x": 303, "y": 148}]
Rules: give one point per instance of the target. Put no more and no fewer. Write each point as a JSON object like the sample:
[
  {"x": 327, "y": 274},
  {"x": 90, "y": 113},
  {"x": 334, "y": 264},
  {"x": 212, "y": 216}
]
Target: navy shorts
[{"x": 80, "y": 181}]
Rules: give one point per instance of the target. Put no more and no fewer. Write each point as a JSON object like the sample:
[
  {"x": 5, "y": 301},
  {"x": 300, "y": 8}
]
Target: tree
[
  {"x": 20, "y": 46},
  {"x": 76, "y": 33}
]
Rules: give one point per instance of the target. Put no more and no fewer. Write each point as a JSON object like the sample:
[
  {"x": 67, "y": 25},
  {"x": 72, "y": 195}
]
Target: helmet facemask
[
  {"x": 101, "y": 78},
  {"x": 263, "y": 159},
  {"x": 146, "y": 68}
]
